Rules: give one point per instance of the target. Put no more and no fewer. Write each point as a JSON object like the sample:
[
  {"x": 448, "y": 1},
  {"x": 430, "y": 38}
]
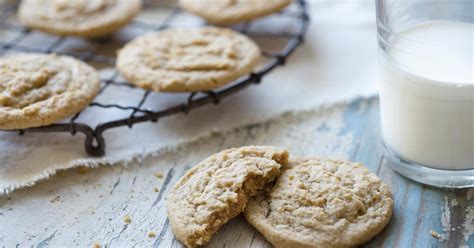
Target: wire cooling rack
[{"x": 95, "y": 143}]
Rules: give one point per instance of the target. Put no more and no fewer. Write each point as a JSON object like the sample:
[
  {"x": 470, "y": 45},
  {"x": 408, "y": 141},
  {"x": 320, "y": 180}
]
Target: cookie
[
  {"x": 40, "y": 89},
  {"x": 84, "y": 18},
  {"x": 217, "y": 190},
  {"x": 187, "y": 60},
  {"x": 322, "y": 203},
  {"x": 226, "y": 12}
]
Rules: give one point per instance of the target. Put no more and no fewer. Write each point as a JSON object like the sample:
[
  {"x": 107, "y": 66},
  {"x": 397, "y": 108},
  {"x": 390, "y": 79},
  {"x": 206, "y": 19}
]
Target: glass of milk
[{"x": 426, "y": 84}]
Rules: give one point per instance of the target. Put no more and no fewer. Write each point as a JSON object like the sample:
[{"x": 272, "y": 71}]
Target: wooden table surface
[{"x": 79, "y": 208}]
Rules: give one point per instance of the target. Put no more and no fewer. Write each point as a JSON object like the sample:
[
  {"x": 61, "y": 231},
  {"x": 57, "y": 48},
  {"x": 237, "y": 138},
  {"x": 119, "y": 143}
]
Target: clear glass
[{"x": 426, "y": 84}]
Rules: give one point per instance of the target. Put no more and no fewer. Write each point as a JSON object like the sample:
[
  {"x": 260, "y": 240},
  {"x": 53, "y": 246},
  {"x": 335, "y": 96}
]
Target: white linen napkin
[{"x": 336, "y": 63}]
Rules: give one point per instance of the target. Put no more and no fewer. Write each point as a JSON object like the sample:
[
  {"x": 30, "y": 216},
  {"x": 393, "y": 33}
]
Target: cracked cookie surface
[
  {"x": 180, "y": 60},
  {"x": 322, "y": 203},
  {"x": 85, "y": 18},
  {"x": 226, "y": 12},
  {"x": 40, "y": 89},
  {"x": 218, "y": 188}
]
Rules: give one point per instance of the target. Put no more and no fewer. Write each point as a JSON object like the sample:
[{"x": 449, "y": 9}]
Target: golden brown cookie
[
  {"x": 39, "y": 89},
  {"x": 180, "y": 60},
  {"x": 217, "y": 190},
  {"x": 322, "y": 203},
  {"x": 84, "y": 18},
  {"x": 225, "y": 12}
]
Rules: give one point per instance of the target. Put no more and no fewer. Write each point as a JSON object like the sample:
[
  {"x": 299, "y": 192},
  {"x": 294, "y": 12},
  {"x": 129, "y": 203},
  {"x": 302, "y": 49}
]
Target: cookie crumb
[
  {"x": 127, "y": 219},
  {"x": 158, "y": 175},
  {"x": 435, "y": 234},
  {"x": 96, "y": 244},
  {"x": 151, "y": 234},
  {"x": 156, "y": 189}
]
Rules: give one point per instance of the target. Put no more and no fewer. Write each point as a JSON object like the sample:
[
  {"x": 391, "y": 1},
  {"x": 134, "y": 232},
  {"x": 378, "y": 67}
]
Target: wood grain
[{"x": 75, "y": 209}]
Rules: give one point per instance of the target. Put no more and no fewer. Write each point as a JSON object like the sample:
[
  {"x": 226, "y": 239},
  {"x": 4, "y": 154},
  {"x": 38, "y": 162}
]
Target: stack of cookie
[{"x": 293, "y": 202}]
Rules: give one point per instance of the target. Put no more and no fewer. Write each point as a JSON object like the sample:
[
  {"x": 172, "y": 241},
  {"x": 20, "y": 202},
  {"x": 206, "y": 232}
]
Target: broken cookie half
[{"x": 218, "y": 189}]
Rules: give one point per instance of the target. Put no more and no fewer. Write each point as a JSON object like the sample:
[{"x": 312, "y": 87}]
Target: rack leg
[{"x": 95, "y": 145}]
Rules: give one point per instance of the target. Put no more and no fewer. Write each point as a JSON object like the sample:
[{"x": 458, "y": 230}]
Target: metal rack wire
[{"x": 95, "y": 143}]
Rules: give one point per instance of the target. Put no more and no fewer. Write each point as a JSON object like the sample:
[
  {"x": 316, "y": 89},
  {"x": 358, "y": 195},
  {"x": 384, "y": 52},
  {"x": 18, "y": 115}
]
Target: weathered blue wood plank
[
  {"x": 418, "y": 208},
  {"x": 92, "y": 205},
  {"x": 361, "y": 118}
]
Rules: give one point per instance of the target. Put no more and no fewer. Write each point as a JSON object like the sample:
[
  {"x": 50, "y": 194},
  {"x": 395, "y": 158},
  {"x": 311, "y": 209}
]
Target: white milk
[{"x": 427, "y": 94}]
